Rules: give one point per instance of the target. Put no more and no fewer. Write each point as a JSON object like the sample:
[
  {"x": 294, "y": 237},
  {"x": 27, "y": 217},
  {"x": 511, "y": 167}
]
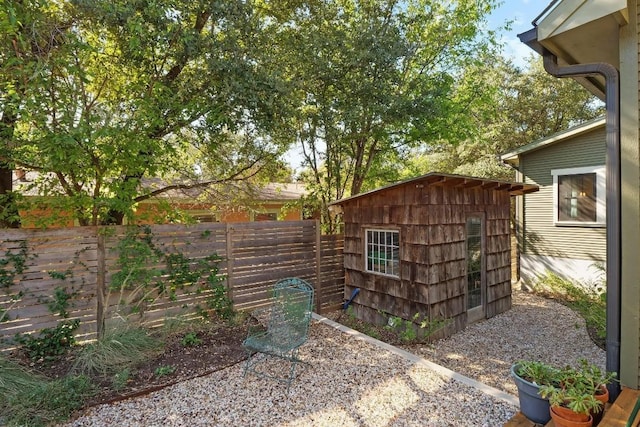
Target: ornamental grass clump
[
  {"x": 120, "y": 348},
  {"x": 29, "y": 399}
]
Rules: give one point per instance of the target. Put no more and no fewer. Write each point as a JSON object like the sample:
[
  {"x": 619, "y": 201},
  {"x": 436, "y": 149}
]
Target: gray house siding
[
  {"x": 572, "y": 249},
  {"x": 540, "y": 235}
]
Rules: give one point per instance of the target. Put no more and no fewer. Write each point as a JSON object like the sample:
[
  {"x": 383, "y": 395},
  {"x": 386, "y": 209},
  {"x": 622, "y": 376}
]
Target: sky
[{"x": 521, "y": 13}]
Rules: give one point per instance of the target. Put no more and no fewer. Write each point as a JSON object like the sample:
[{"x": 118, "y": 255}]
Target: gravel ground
[
  {"x": 352, "y": 380},
  {"x": 535, "y": 328}
]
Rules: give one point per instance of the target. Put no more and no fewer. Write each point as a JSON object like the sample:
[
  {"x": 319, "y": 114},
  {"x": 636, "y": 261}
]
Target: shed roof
[{"x": 450, "y": 180}]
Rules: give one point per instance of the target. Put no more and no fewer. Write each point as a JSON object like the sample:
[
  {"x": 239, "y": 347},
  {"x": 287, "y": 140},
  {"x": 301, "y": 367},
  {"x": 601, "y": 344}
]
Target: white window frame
[
  {"x": 391, "y": 267},
  {"x": 601, "y": 196}
]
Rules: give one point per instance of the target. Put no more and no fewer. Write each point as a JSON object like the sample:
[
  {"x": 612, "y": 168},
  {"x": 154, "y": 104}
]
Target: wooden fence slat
[{"x": 254, "y": 256}]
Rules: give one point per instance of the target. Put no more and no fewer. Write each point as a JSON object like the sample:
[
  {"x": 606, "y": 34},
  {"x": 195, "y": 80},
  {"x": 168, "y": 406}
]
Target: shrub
[{"x": 50, "y": 342}]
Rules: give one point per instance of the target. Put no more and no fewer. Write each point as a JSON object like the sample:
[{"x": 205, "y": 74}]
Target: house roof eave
[{"x": 512, "y": 156}]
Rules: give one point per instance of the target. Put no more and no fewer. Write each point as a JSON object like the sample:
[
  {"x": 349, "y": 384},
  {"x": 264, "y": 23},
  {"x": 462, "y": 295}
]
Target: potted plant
[
  {"x": 579, "y": 396},
  {"x": 596, "y": 380},
  {"x": 529, "y": 376}
]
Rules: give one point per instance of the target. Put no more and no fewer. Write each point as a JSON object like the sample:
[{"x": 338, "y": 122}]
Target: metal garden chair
[{"x": 287, "y": 328}]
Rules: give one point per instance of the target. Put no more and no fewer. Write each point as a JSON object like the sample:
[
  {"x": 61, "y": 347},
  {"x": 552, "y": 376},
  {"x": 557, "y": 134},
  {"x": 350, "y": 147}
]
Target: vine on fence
[
  {"x": 148, "y": 274},
  {"x": 11, "y": 267},
  {"x": 51, "y": 343}
]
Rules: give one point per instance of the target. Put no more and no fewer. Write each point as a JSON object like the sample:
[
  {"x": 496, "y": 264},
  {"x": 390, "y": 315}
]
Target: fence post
[
  {"x": 100, "y": 284},
  {"x": 318, "y": 261},
  {"x": 229, "y": 243}
]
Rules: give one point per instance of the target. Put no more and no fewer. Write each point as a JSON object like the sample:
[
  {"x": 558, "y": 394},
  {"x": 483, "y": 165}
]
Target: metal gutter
[
  {"x": 614, "y": 266},
  {"x": 613, "y": 183},
  {"x": 544, "y": 12}
]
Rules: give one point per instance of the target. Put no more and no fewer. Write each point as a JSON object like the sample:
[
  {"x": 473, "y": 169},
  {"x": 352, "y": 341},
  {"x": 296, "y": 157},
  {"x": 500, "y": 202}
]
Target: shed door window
[
  {"x": 474, "y": 262},
  {"x": 383, "y": 252}
]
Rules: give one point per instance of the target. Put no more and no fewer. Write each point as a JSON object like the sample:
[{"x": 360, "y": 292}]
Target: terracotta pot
[
  {"x": 602, "y": 396},
  {"x": 560, "y": 421},
  {"x": 569, "y": 414}
]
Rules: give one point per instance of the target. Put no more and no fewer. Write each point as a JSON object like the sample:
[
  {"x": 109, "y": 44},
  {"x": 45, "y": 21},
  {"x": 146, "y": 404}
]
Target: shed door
[{"x": 476, "y": 283}]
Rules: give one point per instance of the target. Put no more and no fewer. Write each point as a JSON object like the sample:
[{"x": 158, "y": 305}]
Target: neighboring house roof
[
  {"x": 274, "y": 191},
  {"x": 512, "y": 157},
  {"x": 282, "y": 191},
  {"x": 514, "y": 188}
]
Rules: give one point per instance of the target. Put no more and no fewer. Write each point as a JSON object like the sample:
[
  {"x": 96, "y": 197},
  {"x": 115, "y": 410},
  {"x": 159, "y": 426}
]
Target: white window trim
[
  {"x": 601, "y": 195},
  {"x": 366, "y": 250}
]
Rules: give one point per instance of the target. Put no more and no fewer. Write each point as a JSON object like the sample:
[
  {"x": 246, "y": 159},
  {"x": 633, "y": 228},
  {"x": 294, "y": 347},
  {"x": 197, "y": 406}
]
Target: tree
[
  {"x": 134, "y": 89},
  {"x": 372, "y": 79},
  {"x": 515, "y": 107},
  {"x": 30, "y": 33}
]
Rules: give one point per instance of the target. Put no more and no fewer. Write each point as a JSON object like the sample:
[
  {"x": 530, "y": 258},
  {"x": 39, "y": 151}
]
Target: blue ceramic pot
[{"x": 532, "y": 405}]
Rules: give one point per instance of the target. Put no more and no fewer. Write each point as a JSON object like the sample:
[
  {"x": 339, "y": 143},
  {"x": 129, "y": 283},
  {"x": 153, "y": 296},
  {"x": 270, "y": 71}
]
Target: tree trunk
[{"x": 9, "y": 217}]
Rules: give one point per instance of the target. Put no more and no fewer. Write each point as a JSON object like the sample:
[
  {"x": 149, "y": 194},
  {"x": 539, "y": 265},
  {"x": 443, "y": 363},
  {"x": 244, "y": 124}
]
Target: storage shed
[{"x": 436, "y": 248}]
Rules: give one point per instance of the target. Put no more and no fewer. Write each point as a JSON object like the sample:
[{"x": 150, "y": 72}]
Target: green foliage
[
  {"x": 588, "y": 300},
  {"x": 415, "y": 329},
  {"x": 162, "y": 371},
  {"x": 220, "y": 303},
  {"x": 537, "y": 372},
  {"x": 372, "y": 81},
  {"x": 15, "y": 378},
  {"x": 138, "y": 259},
  {"x": 46, "y": 402},
  {"x": 363, "y": 327},
  {"x": 50, "y": 343},
  {"x": 191, "y": 340},
  {"x": 576, "y": 387},
  {"x": 161, "y": 86},
  {"x": 12, "y": 265},
  {"x": 61, "y": 301},
  {"x": 515, "y": 107},
  {"x": 135, "y": 254},
  {"x": 120, "y": 348}
]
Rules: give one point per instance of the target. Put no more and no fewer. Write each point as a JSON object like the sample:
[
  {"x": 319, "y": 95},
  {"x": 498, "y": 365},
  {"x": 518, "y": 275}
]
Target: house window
[
  {"x": 383, "y": 251},
  {"x": 204, "y": 217},
  {"x": 579, "y": 196},
  {"x": 269, "y": 216}
]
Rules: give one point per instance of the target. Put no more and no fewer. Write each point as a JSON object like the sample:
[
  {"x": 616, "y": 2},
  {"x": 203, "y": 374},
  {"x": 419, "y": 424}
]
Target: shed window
[
  {"x": 383, "y": 252},
  {"x": 579, "y": 196}
]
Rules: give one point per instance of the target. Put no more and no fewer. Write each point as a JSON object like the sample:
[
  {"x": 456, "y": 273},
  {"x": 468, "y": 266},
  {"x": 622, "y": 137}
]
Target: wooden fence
[{"x": 82, "y": 262}]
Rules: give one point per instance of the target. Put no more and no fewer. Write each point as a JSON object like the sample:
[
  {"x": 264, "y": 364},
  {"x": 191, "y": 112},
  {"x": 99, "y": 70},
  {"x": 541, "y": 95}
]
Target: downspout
[{"x": 614, "y": 265}]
